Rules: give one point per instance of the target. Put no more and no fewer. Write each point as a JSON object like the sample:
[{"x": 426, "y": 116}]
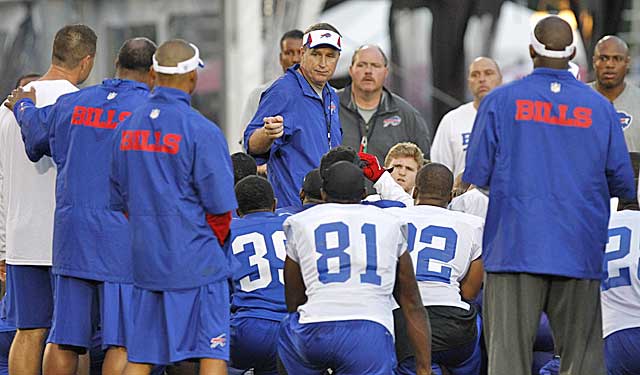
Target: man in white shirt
[
  {"x": 29, "y": 202},
  {"x": 445, "y": 247},
  {"x": 452, "y": 136},
  {"x": 345, "y": 261}
]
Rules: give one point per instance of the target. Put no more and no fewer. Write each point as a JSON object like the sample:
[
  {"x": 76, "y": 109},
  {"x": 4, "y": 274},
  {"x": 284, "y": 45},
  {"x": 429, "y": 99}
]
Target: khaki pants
[{"x": 513, "y": 303}]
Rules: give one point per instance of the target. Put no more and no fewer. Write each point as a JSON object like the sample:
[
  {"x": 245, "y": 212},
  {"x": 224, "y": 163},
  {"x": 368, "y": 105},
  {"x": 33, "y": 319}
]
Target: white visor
[
  {"x": 183, "y": 66},
  {"x": 542, "y": 50},
  {"x": 319, "y": 38}
]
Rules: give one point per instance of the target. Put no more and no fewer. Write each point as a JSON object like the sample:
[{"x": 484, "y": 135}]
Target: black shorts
[{"x": 451, "y": 327}]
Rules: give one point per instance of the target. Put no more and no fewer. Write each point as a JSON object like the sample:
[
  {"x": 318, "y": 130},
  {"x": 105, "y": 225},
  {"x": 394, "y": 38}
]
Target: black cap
[
  {"x": 343, "y": 181},
  {"x": 312, "y": 184}
]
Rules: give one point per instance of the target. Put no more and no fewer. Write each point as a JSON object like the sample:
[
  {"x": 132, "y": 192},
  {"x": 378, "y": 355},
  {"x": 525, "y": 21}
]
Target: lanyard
[
  {"x": 363, "y": 143},
  {"x": 328, "y": 123}
]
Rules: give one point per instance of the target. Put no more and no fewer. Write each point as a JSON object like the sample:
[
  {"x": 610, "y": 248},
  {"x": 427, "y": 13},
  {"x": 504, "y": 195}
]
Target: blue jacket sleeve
[
  {"x": 619, "y": 171},
  {"x": 34, "y": 126},
  {"x": 483, "y": 145},
  {"x": 213, "y": 173},
  {"x": 273, "y": 103}
]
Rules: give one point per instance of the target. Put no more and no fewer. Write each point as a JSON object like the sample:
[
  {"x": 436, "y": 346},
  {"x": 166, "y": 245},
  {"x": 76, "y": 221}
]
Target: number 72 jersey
[
  {"x": 348, "y": 254},
  {"x": 442, "y": 244},
  {"x": 620, "y": 291}
]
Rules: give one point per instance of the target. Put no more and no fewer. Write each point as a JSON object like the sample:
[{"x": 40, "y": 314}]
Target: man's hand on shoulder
[
  {"x": 18, "y": 94},
  {"x": 273, "y": 127}
]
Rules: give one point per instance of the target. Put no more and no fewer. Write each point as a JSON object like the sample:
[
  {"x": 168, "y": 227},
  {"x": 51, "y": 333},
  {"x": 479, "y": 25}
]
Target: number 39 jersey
[
  {"x": 620, "y": 291},
  {"x": 442, "y": 244},
  {"x": 348, "y": 254},
  {"x": 257, "y": 244}
]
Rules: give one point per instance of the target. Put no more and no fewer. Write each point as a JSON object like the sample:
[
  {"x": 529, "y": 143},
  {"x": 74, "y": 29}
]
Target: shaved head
[
  {"x": 434, "y": 181},
  {"x": 556, "y": 35},
  {"x": 611, "y": 63},
  {"x": 484, "y": 76},
  {"x": 175, "y": 51},
  {"x": 170, "y": 54},
  {"x": 554, "y": 32},
  {"x": 612, "y": 42},
  {"x": 484, "y": 60}
]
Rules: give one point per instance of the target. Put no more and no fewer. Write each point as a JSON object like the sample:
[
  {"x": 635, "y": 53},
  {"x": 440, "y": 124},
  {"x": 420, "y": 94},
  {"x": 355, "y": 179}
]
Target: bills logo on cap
[
  {"x": 391, "y": 121},
  {"x": 326, "y": 38},
  {"x": 625, "y": 119}
]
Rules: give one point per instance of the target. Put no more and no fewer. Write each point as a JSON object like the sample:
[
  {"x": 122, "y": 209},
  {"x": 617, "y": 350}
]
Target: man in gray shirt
[
  {"x": 610, "y": 62},
  {"x": 373, "y": 118}
]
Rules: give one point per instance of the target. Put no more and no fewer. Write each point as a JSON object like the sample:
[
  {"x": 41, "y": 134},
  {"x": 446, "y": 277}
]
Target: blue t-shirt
[
  {"x": 171, "y": 167},
  {"x": 311, "y": 128},
  {"x": 90, "y": 239},
  {"x": 258, "y": 246},
  {"x": 551, "y": 151}
]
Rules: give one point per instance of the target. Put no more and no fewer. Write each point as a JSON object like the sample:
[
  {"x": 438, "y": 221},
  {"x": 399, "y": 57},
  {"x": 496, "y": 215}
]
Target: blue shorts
[
  {"x": 621, "y": 352},
  {"x": 171, "y": 326},
  {"x": 30, "y": 290},
  {"x": 83, "y": 306},
  {"x": 350, "y": 347},
  {"x": 254, "y": 344}
]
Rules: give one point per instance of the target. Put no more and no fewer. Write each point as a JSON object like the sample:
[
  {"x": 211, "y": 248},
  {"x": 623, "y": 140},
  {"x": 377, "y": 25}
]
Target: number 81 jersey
[
  {"x": 442, "y": 244},
  {"x": 348, "y": 254},
  {"x": 620, "y": 289}
]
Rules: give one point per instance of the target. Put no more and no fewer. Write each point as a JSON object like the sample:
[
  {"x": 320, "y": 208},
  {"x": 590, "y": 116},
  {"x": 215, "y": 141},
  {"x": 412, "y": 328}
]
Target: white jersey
[
  {"x": 472, "y": 202},
  {"x": 620, "y": 290},
  {"x": 348, "y": 254},
  {"x": 28, "y": 189},
  {"x": 442, "y": 245},
  {"x": 452, "y": 138}
]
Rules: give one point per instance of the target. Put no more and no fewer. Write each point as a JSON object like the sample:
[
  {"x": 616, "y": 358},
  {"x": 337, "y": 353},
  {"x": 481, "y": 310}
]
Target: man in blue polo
[
  {"x": 91, "y": 248},
  {"x": 297, "y": 121},
  {"x": 172, "y": 174},
  {"x": 552, "y": 153}
]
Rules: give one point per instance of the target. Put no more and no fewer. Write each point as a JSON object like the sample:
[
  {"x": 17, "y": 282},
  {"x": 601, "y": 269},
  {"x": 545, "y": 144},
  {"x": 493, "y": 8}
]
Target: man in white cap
[{"x": 297, "y": 120}]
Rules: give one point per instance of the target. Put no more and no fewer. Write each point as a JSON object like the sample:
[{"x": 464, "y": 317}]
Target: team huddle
[{"x": 133, "y": 235}]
